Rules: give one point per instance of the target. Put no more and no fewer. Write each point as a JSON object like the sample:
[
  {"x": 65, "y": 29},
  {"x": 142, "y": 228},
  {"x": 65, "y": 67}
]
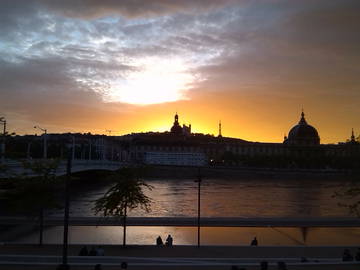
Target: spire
[
  {"x": 302, "y": 119},
  {"x": 220, "y": 129},
  {"x": 352, "y": 135}
]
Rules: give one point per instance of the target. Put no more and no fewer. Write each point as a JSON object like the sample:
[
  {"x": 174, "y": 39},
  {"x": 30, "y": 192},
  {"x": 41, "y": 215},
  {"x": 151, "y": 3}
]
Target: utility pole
[
  {"x": 89, "y": 149},
  {"x": 3, "y": 121},
  {"x": 66, "y": 213},
  {"x": 73, "y": 148},
  {"x": 28, "y": 152},
  {"x": 45, "y": 140},
  {"x": 103, "y": 148},
  {"x": 198, "y": 219}
]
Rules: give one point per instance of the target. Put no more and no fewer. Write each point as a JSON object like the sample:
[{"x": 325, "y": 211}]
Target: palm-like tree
[{"x": 125, "y": 195}]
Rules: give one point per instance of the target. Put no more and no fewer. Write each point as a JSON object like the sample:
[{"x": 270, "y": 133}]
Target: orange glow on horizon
[{"x": 242, "y": 117}]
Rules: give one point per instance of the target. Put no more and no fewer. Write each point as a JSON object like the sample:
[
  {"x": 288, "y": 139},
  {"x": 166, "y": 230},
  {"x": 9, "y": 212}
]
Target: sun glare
[{"x": 155, "y": 81}]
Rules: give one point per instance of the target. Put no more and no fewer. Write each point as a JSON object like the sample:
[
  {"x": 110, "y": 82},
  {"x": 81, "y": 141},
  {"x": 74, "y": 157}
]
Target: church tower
[{"x": 176, "y": 128}]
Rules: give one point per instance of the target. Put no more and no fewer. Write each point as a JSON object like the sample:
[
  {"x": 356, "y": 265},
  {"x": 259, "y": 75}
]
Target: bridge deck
[
  {"x": 191, "y": 221},
  {"x": 15, "y": 168}
]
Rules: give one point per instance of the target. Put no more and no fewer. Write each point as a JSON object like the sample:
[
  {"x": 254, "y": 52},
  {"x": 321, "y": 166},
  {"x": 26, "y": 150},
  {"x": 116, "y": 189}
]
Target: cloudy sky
[{"x": 128, "y": 66}]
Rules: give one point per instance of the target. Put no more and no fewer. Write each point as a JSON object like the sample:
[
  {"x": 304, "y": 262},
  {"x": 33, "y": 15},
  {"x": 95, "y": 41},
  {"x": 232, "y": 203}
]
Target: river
[{"x": 222, "y": 198}]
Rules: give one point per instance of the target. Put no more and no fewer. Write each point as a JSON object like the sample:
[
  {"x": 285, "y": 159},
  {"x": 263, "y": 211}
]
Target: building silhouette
[
  {"x": 300, "y": 149},
  {"x": 176, "y": 129}
]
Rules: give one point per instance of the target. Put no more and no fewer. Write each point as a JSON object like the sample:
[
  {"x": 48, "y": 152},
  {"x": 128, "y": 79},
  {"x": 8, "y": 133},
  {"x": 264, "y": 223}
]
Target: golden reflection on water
[{"x": 231, "y": 198}]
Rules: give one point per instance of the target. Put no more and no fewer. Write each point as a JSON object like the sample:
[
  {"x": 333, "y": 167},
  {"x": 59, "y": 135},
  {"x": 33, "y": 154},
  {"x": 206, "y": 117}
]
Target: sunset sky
[{"x": 128, "y": 66}]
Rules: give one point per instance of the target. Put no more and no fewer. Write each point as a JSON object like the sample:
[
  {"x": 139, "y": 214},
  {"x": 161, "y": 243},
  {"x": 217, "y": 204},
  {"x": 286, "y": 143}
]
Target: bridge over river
[
  {"x": 190, "y": 221},
  {"x": 14, "y": 167}
]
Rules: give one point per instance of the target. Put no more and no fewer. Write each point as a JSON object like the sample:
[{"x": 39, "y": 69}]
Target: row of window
[{"x": 188, "y": 159}]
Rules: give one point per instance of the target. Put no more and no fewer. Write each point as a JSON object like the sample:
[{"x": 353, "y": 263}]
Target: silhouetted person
[
  {"x": 159, "y": 241},
  {"x": 98, "y": 267},
  {"x": 281, "y": 266},
  {"x": 84, "y": 251},
  {"x": 264, "y": 265},
  {"x": 124, "y": 265},
  {"x": 347, "y": 256},
  {"x": 169, "y": 241},
  {"x": 254, "y": 242},
  {"x": 92, "y": 252}
]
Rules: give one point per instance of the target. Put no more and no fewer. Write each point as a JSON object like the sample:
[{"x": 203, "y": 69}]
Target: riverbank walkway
[{"x": 29, "y": 256}]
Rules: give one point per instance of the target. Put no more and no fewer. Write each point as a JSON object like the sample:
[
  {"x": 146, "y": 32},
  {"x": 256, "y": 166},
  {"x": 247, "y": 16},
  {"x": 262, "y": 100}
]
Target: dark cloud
[
  {"x": 17, "y": 17},
  {"x": 92, "y": 9},
  {"x": 38, "y": 81},
  {"x": 313, "y": 45}
]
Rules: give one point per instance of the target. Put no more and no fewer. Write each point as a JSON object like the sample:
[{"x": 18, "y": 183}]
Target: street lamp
[
  {"x": 3, "y": 121},
  {"x": 64, "y": 264},
  {"x": 73, "y": 148},
  {"x": 89, "y": 141},
  {"x": 198, "y": 219},
  {"x": 45, "y": 144},
  {"x": 28, "y": 151}
]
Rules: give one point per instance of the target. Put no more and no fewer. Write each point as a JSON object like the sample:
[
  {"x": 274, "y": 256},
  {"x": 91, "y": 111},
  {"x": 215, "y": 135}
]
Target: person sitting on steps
[
  {"x": 169, "y": 241},
  {"x": 159, "y": 241},
  {"x": 254, "y": 242}
]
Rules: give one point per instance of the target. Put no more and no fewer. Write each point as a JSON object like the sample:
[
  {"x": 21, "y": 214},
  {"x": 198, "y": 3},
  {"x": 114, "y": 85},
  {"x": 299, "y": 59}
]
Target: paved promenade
[{"x": 177, "y": 257}]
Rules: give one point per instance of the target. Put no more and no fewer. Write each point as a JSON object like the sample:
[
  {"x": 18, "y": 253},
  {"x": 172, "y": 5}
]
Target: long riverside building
[{"x": 301, "y": 148}]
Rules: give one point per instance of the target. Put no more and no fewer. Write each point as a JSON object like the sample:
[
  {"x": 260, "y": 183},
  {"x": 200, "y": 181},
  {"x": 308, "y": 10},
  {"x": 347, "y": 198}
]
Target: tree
[
  {"x": 35, "y": 193},
  {"x": 125, "y": 195}
]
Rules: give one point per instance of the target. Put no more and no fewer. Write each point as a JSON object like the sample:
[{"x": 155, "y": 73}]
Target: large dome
[{"x": 302, "y": 134}]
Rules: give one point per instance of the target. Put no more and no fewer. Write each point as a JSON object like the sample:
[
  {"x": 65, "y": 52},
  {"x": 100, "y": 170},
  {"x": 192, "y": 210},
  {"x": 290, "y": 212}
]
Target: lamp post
[
  {"x": 89, "y": 141},
  {"x": 3, "y": 121},
  {"x": 45, "y": 143},
  {"x": 73, "y": 148},
  {"x": 103, "y": 149},
  {"x": 28, "y": 151},
  {"x": 198, "y": 218},
  {"x": 66, "y": 212}
]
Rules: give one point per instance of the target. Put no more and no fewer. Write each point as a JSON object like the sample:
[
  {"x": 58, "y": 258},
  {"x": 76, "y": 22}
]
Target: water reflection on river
[
  {"x": 226, "y": 198},
  {"x": 209, "y": 236}
]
